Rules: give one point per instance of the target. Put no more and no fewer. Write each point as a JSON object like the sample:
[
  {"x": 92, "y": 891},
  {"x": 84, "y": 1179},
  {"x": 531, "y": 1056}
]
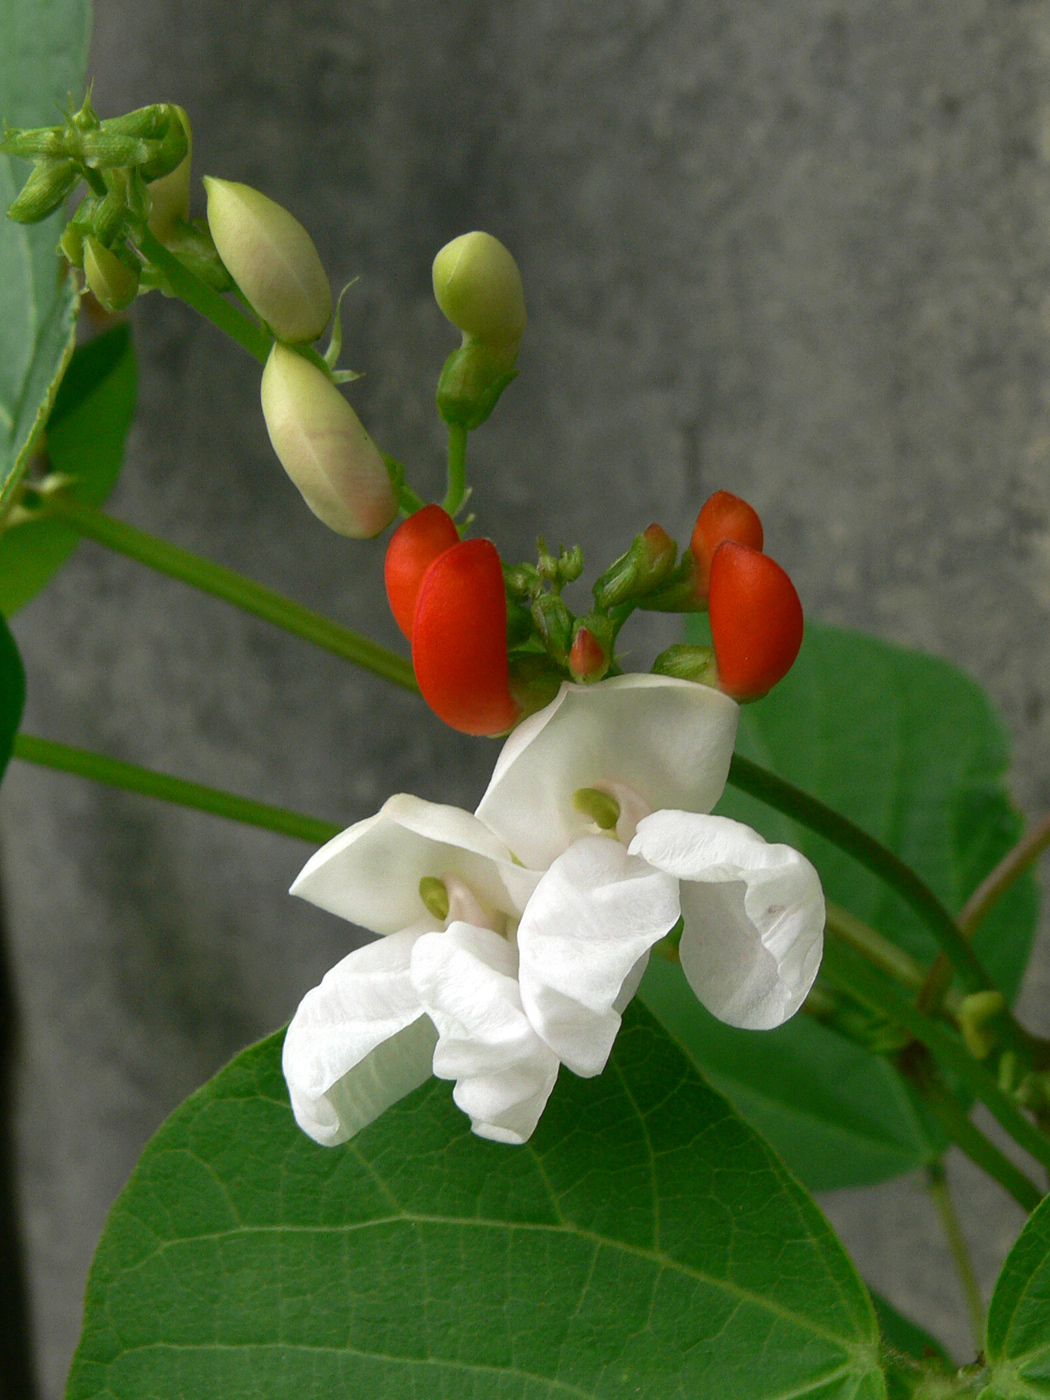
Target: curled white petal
[
  {"x": 668, "y": 741},
  {"x": 358, "y": 1042},
  {"x": 465, "y": 977},
  {"x": 591, "y": 922},
  {"x": 753, "y": 915},
  {"x": 370, "y": 873}
]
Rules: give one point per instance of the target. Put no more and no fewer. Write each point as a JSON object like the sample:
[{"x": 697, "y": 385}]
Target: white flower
[
  {"x": 753, "y": 913},
  {"x": 437, "y": 995}
]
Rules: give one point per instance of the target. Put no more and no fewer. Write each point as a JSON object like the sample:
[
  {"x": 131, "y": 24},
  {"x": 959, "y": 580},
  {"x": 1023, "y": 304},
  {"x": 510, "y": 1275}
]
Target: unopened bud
[
  {"x": 554, "y": 624},
  {"x": 46, "y": 188},
  {"x": 169, "y": 196},
  {"x": 723, "y": 516},
  {"x": 272, "y": 259},
  {"x": 974, "y": 1013},
  {"x": 112, "y": 281},
  {"x": 688, "y": 663},
  {"x": 478, "y": 286},
  {"x": 591, "y": 652},
  {"x": 756, "y": 620},
  {"x": 324, "y": 448},
  {"x": 642, "y": 569}
]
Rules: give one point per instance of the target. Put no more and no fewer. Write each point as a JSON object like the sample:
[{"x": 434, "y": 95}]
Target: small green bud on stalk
[
  {"x": 478, "y": 287},
  {"x": 688, "y": 663},
  {"x": 554, "y": 624},
  {"x": 169, "y": 196},
  {"x": 642, "y": 569},
  {"x": 323, "y": 447},
  {"x": 46, "y": 188},
  {"x": 106, "y": 150},
  {"x": 112, "y": 281},
  {"x": 975, "y": 1013},
  {"x": 272, "y": 259}
]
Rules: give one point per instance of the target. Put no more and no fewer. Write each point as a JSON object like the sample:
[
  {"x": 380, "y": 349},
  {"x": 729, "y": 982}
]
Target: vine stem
[
  {"x": 847, "y": 970},
  {"x": 221, "y": 582},
  {"x": 984, "y": 898},
  {"x": 148, "y": 781},
  {"x": 937, "y": 1185},
  {"x": 204, "y": 299},
  {"x": 889, "y": 868}
]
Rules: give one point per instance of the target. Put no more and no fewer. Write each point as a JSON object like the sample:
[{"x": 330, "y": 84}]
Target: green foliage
[
  {"x": 86, "y": 432},
  {"x": 12, "y": 692},
  {"x": 1017, "y": 1337},
  {"x": 911, "y": 750},
  {"x": 909, "y": 1352},
  {"x": 42, "y": 59},
  {"x": 645, "y": 1243}
]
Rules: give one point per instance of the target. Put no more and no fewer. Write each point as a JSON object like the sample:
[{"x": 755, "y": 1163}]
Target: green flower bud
[
  {"x": 104, "y": 150},
  {"x": 323, "y": 447},
  {"x": 478, "y": 286},
  {"x": 554, "y": 624},
  {"x": 169, "y": 197},
  {"x": 641, "y": 570},
  {"x": 46, "y": 188},
  {"x": 40, "y": 143},
  {"x": 688, "y": 663},
  {"x": 272, "y": 259},
  {"x": 113, "y": 282}
]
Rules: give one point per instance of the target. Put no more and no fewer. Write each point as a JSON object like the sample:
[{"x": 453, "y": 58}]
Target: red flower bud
[
  {"x": 587, "y": 656},
  {"x": 413, "y": 547},
  {"x": 756, "y": 620},
  {"x": 723, "y": 516},
  {"x": 459, "y": 640}
]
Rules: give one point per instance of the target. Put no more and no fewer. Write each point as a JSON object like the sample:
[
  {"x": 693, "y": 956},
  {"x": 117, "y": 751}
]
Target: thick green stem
[
  {"x": 457, "y": 467},
  {"x": 145, "y": 780},
  {"x": 234, "y": 588},
  {"x": 785, "y": 797},
  {"x": 844, "y": 968},
  {"x": 937, "y": 1185},
  {"x": 204, "y": 299}
]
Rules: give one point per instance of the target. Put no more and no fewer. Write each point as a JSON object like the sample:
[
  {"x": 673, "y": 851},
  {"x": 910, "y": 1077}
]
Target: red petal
[
  {"x": 459, "y": 640},
  {"x": 723, "y": 516},
  {"x": 756, "y": 620},
  {"x": 413, "y": 547}
]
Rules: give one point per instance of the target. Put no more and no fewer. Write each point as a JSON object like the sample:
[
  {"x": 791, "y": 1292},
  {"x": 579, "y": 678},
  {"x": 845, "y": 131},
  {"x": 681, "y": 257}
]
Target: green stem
[
  {"x": 918, "y": 1067},
  {"x": 221, "y": 582},
  {"x": 844, "y": 968},
  {"x": 937, "y": 1185},
  {"x": 875, "y": 947},
  {"x": 987, "y": 894},
  {"x": 145, "y": 780},
  {"x": 787, "y": 798},
  {"x": 457, "y": 468},
  {"x": 204, "y": 299}
]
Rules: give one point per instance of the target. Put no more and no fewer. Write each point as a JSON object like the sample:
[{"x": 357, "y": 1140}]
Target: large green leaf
[
  {"x": 86, "y": 431},
  {"x": 42, "y": 60},
  {"x": 1017, "y": 1336},
  {"x": 12, "y": 692},
  {"x": 646, "y": 1243},
  {"x": 911, "y": 750}
]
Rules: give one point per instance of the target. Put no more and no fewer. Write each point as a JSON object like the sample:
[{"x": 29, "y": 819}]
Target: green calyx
[
  {"x": 472, "y": 380},
  {"x": 644, "y": 567},
  {"x": 688, "y": 663}
]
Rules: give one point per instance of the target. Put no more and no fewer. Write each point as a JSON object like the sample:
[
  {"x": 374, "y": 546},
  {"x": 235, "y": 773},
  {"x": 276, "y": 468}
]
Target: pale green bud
[
  {"x": 46, "y": 188},
  {"x": 323, "y": 447},
  {"x": 112, "y": 281},
  {"x": 272, "y": 259},
  {"x": 169, "y": 197},
  {"x": 478, "y": 286}
]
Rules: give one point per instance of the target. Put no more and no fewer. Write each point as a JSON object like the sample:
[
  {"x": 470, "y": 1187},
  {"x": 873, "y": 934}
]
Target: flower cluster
[{"x": 513, "y": 938}]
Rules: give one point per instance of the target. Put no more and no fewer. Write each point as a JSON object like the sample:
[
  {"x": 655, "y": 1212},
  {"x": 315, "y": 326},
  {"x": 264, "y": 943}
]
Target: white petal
[
  {"x": 358, "y": 1042},
  {"x": 594, "y": 916},
  {"x": 669, "y": 741},
  {"x": 753, "y": 915},
  {"x": 370, "y": 873},
  {"x": 504, "y": 1073}
]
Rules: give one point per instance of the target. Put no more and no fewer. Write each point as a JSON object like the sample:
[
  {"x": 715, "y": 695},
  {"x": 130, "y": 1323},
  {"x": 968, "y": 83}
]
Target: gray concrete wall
[{"x": 798, "y": 249}]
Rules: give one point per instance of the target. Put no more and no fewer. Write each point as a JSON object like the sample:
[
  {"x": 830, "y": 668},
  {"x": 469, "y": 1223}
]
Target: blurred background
[{"x": 799, "y": 250}]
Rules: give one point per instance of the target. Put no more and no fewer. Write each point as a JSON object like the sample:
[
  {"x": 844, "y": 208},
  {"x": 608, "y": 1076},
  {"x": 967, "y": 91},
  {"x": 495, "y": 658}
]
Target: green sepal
[
  {"x": 688, "y": 663},
  {"x": 472, "y": 380}
]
